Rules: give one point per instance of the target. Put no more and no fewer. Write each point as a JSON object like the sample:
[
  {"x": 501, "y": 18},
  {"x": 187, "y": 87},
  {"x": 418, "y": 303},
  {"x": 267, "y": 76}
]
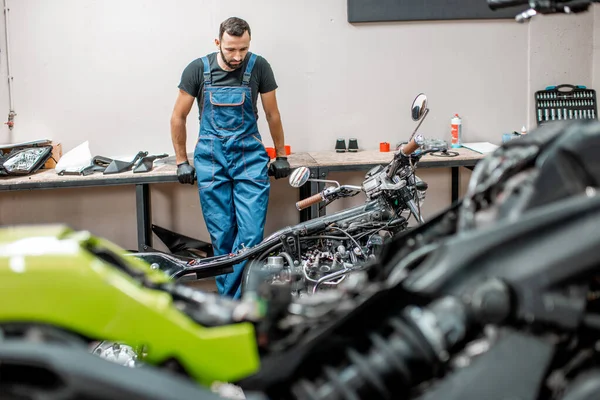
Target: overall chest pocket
[{"x": 228, "y": 108}]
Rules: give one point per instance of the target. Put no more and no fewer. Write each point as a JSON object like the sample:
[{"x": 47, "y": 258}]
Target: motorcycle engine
[
  {"x": 325, "y": 263},
  {"x": 321, "y": 263}
]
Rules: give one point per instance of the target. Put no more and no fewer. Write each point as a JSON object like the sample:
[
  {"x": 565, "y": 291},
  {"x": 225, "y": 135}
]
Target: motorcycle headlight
[{"x": 24, "y": 161}]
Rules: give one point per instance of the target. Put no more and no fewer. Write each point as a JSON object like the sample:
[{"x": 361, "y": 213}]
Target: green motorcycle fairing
[{"x": 52, "y": 274}]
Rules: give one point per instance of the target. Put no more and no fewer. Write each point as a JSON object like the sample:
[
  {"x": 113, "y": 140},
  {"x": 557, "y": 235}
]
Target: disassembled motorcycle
[{"x": 320, "y": 253}]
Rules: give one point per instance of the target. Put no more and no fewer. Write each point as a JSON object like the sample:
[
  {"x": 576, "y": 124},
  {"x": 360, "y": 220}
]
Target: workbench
[
  {"x": 165, "y": 171},
  {"x": 330, "y": 161}
]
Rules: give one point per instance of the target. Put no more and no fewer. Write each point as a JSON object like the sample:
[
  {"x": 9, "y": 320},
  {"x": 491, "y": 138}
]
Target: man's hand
[
  {"x": 280, "y": 168},
  {"x": 186, "y": 173}
]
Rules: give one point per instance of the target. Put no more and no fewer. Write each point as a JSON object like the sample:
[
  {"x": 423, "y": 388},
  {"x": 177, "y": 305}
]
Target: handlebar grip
[
  {"x": 409, "y": 148},
  {"x": 497, "y": 4},
  {"x": 309, "y": 201}
]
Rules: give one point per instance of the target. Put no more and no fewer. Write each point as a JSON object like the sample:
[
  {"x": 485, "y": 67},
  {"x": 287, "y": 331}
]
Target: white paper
[
  {"x": 75, "y": 160},
  {"x": 481, "y": 147}
]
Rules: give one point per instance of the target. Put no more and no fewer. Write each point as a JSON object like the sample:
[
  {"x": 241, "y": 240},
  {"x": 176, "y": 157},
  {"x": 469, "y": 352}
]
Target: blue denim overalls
[{"x": 231, "y": 167}]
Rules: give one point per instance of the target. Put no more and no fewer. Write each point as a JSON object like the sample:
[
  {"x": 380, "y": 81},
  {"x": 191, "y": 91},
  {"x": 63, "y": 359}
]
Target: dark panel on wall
[{"x": 422, "y": 10}]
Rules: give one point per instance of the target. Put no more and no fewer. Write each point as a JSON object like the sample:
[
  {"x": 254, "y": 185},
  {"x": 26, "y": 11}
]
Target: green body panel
[{"x": 47, "y": 275}]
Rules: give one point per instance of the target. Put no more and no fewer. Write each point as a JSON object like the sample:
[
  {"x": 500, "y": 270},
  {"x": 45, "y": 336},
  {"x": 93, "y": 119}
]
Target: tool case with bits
[{"x": 565, "y": 102}]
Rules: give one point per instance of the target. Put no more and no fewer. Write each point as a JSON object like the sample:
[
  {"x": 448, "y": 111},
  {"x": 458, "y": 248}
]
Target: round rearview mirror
[
  {"x": 299, "y": 176},
  {"x": 418, "y": 107}
]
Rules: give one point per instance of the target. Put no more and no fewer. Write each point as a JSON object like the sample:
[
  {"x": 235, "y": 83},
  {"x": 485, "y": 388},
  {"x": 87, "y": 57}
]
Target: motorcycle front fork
[{"x": 414, "y": 209}]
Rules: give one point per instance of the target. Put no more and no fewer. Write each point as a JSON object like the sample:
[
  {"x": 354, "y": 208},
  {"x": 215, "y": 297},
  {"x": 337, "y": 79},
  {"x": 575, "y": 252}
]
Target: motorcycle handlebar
[
  {"x": 409, "y": 148},
  {"x": 402, "y": 154},
  {"x": 497, "y": 4},
  {"x": 309, "y": 201}
]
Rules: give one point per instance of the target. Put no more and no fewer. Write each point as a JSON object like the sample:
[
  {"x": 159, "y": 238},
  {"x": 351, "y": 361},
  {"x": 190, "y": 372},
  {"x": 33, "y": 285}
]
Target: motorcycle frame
[{"x": 177, "y": 267}]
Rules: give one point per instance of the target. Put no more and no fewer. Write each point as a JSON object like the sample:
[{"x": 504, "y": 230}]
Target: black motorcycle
[{"x": 320, "y": 253}]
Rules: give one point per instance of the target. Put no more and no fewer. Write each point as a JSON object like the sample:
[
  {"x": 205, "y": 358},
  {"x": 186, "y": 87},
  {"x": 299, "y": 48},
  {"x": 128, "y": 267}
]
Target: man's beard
[{"x": 226, "y": 61}]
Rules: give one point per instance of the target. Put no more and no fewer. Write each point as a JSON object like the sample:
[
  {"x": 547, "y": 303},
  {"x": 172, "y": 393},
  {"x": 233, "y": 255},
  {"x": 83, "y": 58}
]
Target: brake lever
[{"x": 348, "y": 191}]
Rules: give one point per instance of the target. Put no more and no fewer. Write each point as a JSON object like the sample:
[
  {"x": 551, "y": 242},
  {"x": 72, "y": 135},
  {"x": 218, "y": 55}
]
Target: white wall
[
  {"x": 596, "y": 44},
  {"x": 108, "y": 71},
  {"x": 4, "y": 103}
]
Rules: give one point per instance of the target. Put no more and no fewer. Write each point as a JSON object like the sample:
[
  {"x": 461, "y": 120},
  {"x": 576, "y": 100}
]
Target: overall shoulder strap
[
  {"x": 207, "y": 76},
  {"x": 249, "y": 67}
]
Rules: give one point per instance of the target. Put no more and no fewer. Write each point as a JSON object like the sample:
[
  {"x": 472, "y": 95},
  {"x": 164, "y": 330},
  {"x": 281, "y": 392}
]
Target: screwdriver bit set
[{"x": 565, "y": 102}]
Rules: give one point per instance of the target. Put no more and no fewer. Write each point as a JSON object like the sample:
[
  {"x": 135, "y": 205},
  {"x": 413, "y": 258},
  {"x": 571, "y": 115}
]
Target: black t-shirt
[{"x": 262, "y": 79}]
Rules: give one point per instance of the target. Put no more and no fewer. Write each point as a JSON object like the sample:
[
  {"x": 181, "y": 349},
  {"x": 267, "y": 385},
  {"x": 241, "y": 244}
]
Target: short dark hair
[{"x": 234, "y": 26}]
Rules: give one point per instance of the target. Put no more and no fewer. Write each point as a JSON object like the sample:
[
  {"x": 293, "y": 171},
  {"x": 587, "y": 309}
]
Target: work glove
[
  {"x": 280, "y": 168},
  {"x": 186, "y": 173}
]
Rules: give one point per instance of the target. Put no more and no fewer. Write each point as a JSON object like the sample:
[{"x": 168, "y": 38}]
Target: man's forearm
[
  {"x": 276, "y": 129},
  {"x": 179, "y": 138}
]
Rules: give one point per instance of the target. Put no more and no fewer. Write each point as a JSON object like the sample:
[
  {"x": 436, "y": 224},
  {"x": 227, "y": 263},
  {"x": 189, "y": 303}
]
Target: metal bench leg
[
  {"x": 455, "y": 183},
  {"x": 144, "y": 215}
]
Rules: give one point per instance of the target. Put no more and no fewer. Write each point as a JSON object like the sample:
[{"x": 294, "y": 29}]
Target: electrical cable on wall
[{"x": 11, "y": 111}]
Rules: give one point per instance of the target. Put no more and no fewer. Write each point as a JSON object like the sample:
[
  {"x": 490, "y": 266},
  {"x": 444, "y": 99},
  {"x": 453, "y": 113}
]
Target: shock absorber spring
[{"x": 417, "y": 345}]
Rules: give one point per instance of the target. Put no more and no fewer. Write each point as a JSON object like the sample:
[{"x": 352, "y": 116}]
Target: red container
[{"x": 384, "y": 147}]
